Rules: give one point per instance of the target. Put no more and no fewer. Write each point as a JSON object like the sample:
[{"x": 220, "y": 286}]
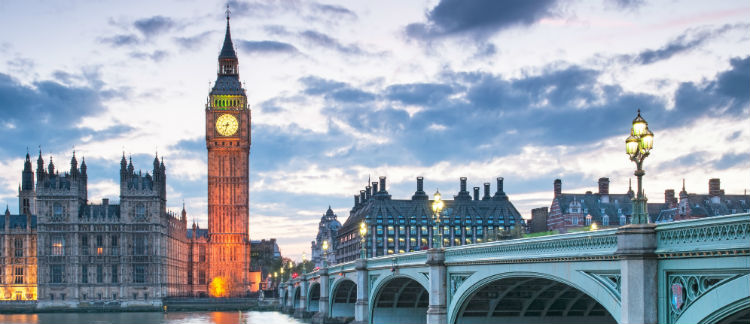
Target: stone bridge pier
[{"x": 695, "y": 271}]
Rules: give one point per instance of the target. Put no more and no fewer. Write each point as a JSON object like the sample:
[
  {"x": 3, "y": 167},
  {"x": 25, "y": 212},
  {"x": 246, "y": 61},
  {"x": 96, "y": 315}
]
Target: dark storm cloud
[
  {"x": 121, "y": 40},
  {"x": 479, "y": 18},
  {"x": 727, "y": 94},
  {"x": 323, "y": 40},
  {"x": 154, "y": 25},
  {"x": 46, "y": 113},
  {"x": 686, "y": 42},
  {"x": 266, "y": 47},
  {"x": 192, "y": 42}
]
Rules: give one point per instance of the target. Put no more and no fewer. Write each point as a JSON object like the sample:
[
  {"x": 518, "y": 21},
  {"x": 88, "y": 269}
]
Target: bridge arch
[
  {"x": 531, "y": 297},
  {"x": 727, "y": 303},
  {"x": 296, "y": 297},
  {"x": 399, "y": 299},
  {"x": 343, "y": 297},
  {"x": 313, "y": 297}
]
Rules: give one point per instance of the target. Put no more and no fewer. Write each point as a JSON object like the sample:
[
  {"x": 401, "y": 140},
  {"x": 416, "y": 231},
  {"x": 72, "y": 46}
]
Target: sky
[{"x": 345, "y": 91}]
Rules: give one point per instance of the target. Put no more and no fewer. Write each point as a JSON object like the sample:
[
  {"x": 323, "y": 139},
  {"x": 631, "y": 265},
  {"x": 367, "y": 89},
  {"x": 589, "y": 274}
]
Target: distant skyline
[{"x": 342, "y": 90}]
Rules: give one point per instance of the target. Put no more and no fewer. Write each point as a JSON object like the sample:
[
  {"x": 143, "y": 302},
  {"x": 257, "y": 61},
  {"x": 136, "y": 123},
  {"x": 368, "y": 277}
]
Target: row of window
[
  {"x": 17, "y": 272},
  {"x": 57, "y": 273},
  {"x": 17, "y": 248},
  {"x": 574, "y": 220},
  {"x": 57, "y": 245},
  {"x": 98, "y": 295},
  {"x": 428, "y": 220}
]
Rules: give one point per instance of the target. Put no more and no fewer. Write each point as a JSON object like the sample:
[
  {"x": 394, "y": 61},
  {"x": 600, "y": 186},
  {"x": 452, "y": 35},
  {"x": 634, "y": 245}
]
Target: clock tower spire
[{"x": 228, "y": 145}]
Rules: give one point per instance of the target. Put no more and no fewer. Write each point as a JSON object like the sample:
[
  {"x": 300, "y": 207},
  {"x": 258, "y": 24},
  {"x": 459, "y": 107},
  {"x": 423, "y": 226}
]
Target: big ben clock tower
[{"x": 228, "y": 144}]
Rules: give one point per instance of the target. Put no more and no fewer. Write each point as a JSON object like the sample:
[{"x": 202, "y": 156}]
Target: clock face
[{"x": 226, "y": 125}]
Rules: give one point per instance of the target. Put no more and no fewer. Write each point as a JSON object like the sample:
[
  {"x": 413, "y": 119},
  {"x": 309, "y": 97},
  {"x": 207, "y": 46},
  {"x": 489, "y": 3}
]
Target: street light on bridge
[
  {"x": 437, "y": 207},
  {"x": 638, "y": 146},
  {"x": 325, "y": 253},
  {"x": 362, "y": 235}
]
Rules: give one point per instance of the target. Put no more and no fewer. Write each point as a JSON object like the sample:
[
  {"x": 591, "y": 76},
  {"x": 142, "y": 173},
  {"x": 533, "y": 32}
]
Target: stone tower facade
[{"x": 228, "y": 144}]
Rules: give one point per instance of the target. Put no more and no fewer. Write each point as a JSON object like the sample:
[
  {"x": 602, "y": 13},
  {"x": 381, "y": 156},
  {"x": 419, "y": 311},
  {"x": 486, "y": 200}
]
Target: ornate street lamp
[
  {"x": 638, "y": 146},
  {"x": 325, "y": 254},
  {"x": 282, "y": 272},
  {"x": 437, "y": 207},
  {"x": 362, "y": 236}
]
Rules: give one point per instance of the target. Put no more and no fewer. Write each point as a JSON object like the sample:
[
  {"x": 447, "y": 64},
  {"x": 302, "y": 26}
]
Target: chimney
[
  {"x": 558, "y": 187},
  {"x": 669, "y": 197},
  {"x": 476, "y": 193},
  {"x": 105, "y": 201},
  {"x": 382, "y": 184},
  {"x": 374, "y": 188},
  {"x": 463, "y": 184},
  {"x": 499, "y": 185},
  {"x": 604, "y": 186},
  {"x": 714, "y": 187},
  {"x": 420, "y": 194},
  {"x": 362, "y": 196},
  {"x": 356, "y": 200},
  {"x": 486, "y": 191}
]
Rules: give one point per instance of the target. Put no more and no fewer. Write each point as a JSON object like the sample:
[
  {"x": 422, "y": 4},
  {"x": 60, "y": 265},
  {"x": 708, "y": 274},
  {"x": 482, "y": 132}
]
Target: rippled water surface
[{"x": 153, "y": 317}]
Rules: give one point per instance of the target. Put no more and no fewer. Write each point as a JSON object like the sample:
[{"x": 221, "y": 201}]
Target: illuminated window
[
  {"x": 58, "y": 245},
  {"x": 99, "y": 245},
  {"x": 468, "y": 230}
]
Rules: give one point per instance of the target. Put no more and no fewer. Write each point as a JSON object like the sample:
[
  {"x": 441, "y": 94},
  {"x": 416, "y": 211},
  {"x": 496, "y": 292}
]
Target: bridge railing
[
  {"x": 401, "y": 260},
  {"x": 716, "y": 235},
  {"x": 589, "y": 244}
]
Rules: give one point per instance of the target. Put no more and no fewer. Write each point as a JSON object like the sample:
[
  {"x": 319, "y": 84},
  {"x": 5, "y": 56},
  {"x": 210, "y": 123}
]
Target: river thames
[{"x": 251, "y": 317}]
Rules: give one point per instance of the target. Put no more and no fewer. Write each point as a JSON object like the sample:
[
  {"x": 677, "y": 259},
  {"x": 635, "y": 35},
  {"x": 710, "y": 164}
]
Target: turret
[
  {"x": 51, "y": 166},
  {"x": 27, "y": 177},
  {"x": 73, "y": 165},
  {"x": 39, "y": 167},
  {"x": 83, "y": 167}
]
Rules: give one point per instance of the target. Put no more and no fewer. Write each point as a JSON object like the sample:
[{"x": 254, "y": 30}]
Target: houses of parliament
[{"x": 63, "y": 251}]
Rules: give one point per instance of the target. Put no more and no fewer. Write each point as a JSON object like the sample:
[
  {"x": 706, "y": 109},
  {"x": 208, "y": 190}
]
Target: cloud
[
  {"x": 479, "y": 18},
  {"x": 154, "y": 25},
  {"x": 419, "y": 93},
  {"x": 192, "y": 42},
  {"x": 121, "y": 40},
  {"x": 686, "y": 42},
  {"x": 266, "y": 47},
  {"x": 730, "y": 160},
  {"x": 334, "y": 10},
  {"x": 628, "y": 4},
  {"x": 326, "y": 41},
  {"x": 48, "y": 113},
  {"x": 155, "y": 56}
]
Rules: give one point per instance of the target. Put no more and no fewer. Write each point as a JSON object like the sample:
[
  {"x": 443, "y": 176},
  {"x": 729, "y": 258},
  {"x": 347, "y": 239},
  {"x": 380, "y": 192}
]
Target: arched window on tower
[{"x": 588, "y": 220}]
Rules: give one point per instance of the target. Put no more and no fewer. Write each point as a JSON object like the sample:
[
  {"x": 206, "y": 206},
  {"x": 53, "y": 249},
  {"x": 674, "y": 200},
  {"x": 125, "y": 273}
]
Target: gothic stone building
[
  {"x": 405, "y": 225},
  {"x": 328, "y": 229}
]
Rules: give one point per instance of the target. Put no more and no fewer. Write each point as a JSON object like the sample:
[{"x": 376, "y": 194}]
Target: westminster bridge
[{"x": 695, "y": 271}]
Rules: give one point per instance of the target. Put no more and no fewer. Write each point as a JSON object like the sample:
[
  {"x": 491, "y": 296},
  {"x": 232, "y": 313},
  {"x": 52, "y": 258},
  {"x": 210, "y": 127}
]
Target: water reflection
[{"x": 149, "y": 318}]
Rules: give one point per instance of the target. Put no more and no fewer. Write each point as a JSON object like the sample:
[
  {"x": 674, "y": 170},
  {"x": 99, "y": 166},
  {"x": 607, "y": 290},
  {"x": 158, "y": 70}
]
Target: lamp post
[
  {"x": 304, "y": 262},
  {"x": 638, "y": 146},
  {"x": 325, "y": 254},
  {"x": 282, "y": 272},
  {"x": 437, "y": 207},
  {"x": 362, "y": 236}
]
